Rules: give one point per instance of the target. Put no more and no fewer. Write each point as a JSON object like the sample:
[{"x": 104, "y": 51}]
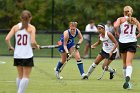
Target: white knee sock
[
  {"x": 23, "y": 84},
  {"x": 18, "y": 82},
  {"x": 91, "y": 68},
  {"x": 110, "y": 69},
  {"x": 129, "y": 71},
  {"x": 124, "y": 72}
]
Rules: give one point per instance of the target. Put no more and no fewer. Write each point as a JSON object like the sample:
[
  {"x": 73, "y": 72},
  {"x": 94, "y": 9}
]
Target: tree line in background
[{"x": 61, "y": 12}]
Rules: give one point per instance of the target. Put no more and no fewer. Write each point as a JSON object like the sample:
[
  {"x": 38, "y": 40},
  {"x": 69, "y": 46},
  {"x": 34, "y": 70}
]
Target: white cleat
[
  {"x": 54, "y": 69},
  {"x": 130, "y": 86},
  {"x": 86, "y": 56},
  {"x": 58, "y": 75},
  {"x": 84, "y": 76}
]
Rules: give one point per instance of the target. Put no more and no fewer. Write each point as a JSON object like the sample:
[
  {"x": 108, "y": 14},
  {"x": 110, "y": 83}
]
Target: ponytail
[
  {"x": 128, "y": 11},
  {"x": 25, "y": 19}
]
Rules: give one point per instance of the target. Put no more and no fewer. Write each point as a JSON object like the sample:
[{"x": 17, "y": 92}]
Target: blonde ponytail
[{"x": 128, "y": 11}]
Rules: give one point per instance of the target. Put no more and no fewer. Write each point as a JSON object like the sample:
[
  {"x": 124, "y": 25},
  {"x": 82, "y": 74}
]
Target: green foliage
[{"x": 64, "y": 11}]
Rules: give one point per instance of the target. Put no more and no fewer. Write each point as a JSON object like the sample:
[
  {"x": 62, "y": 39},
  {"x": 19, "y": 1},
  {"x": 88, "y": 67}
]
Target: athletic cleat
[
  {"x": 112, "y": 74},
  {"x": 130, "y": 86},
  {"x": 58, "y": 75},
  {"x": 126, "y": 85},
  {"x": 86, "y": 56},
  {"x": 84, "y": 76}
]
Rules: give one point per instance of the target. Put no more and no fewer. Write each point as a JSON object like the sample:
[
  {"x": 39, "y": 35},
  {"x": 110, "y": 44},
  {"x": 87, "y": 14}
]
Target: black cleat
[
  {"x": 126, "y": 84},
  {"x": 112, "y": 74}
]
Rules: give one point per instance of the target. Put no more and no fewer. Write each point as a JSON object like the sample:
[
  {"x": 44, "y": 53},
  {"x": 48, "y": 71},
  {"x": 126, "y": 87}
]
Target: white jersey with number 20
[
  {"x": 23, "y": 49},
  {"x": 107, "y": 43},
  {"x": 127, "y": 33}
]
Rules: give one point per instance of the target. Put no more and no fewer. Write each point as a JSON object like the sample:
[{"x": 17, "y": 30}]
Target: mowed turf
[{"x": 43, "y": 80}]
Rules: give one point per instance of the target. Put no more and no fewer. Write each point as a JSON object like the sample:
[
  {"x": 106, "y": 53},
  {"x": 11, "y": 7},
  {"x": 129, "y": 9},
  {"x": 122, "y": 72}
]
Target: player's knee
[
  {"x": 63, "y": 61},
  {"x": 96, "y": 62},
  {"x": 124, "y": 67},
  {"x": 105, "y": 67},
  {"x": 78, "y": 58}
]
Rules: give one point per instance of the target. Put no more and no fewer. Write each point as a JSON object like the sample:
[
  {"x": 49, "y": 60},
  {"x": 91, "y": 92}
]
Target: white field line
[
  {"x": 2, "y": 62},
  {"x": 7, "y": 81}
]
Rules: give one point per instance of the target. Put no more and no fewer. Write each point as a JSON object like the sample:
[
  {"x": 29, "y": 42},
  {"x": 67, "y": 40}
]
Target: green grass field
[{"x": 43, "y": 80}]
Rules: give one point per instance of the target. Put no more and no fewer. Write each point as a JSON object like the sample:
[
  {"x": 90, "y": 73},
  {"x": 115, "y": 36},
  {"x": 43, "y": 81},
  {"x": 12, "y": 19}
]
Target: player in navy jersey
[{"x": 68, "y": 46}]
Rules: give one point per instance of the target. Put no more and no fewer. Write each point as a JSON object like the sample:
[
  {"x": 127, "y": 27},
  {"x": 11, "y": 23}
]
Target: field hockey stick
[
  {"x": 70, "y": 56},
  {"x": 49, "y": 46},
  {"x": 101, "y": 75}
]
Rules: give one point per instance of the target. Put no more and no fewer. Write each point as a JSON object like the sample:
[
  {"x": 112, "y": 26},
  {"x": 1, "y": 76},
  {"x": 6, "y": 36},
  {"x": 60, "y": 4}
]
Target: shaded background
[{"x": 64, "y": 11}]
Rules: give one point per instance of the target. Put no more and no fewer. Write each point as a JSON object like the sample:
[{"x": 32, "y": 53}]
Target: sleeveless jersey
[
  {"x": 70, "y": 42},
  {"x": 127, "y": 33},
  {"x": 23, "y": 47},
  {"x": 107, "y": 43},
  {"x": 71, "y": 38}
]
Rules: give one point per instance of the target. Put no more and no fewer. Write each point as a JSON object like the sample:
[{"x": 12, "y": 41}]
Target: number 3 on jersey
[
  {"x": 22, "y": 39},
  {"x": 106, "y": 44},
  {"x": 127, "y": 28}
]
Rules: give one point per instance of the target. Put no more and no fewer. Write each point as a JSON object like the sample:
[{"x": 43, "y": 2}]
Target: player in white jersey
[
  {"x": 108, "y": 51},
  {"x": 127, "y": 41},
  {"x": 23, "y": 55}
]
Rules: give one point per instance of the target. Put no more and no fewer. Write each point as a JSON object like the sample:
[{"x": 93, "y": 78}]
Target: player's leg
[
  {"x": 63, "y": 60},
  {"x": 123, "y": 56},
  {"x": 17, "y": 63},
  {"x": 98, "y": 59},
  {"x": 108, "y": 68},
  {"x": 20, "y": 75},
  {"x": 129, "y": 58},
  {"x": 107, "y": 63},
  {"x": 60, "y": 64},
  {"x": 24, "y": 82},
  {"x": 79, "y": 63},
  {"x": 27, "y": 65},
  {"x": 122, "y": 49}
]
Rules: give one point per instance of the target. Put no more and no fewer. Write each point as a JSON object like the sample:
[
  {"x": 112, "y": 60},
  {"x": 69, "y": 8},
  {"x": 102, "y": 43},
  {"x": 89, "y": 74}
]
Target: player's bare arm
[
  {"x": 80, "y": 37},
  {"x": 112, "y": 38},
  {"x": 33, "y": 36},
  {"x": 96, "y": 44},
  {"x": 138, "y": 27},
  {"x": 9, "y": 36},
  {"x": 116, "y": 26},
  {"x": 65, "y": 41}
]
